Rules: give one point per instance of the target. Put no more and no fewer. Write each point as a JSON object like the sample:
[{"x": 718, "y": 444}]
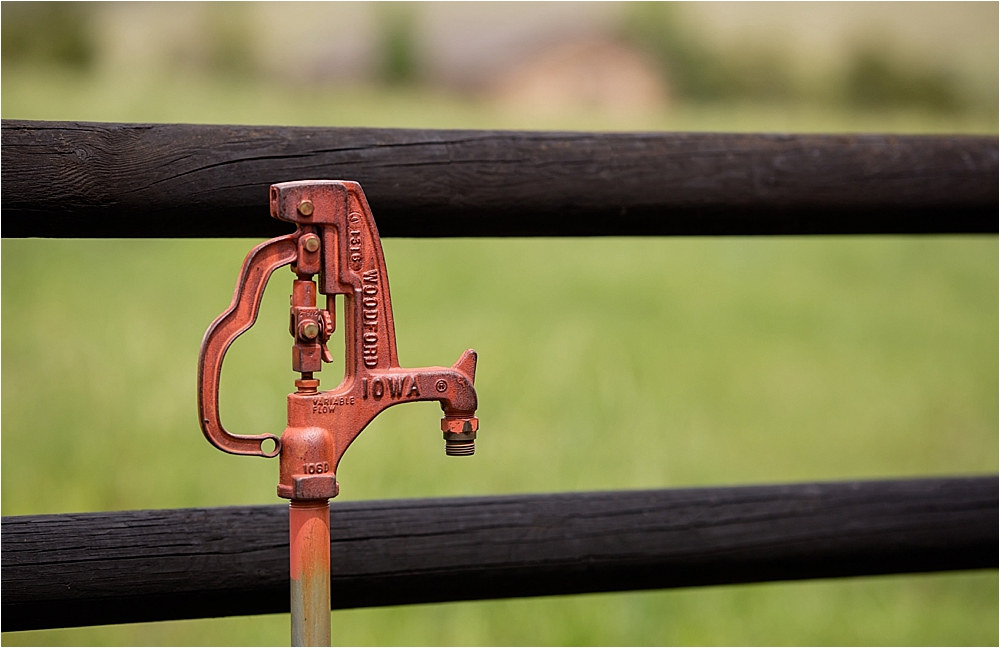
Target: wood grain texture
[
  {"x": 68, "y": 179},
  {"x": 100, "y": 568}
]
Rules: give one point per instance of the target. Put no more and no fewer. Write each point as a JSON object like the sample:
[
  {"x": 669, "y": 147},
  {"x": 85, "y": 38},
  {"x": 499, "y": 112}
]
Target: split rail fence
[{"x": 64, "y": 179}]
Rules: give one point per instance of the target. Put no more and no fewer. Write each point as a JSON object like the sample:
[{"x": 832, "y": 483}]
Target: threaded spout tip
[{"x": 459, "y": 448}]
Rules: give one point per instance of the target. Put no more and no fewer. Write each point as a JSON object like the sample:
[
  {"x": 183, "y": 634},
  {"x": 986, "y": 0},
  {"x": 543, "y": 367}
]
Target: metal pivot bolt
[
  {"x": 309, "y": 330},
  {"x": 310, "y": 241}
]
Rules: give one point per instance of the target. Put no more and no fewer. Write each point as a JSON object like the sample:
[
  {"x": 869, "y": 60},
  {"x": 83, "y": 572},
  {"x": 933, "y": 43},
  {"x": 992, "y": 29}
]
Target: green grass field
[{"x": 609, "y": 363}]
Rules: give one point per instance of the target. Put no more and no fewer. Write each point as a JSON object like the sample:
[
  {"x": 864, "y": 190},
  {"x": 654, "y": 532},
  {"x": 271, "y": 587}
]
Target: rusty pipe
[{"x": 309, "y": 571}]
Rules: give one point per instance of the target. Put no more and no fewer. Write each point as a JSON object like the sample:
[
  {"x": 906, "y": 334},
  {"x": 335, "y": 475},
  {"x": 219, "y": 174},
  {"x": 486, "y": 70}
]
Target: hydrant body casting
[{"x": 335, "y": 240}]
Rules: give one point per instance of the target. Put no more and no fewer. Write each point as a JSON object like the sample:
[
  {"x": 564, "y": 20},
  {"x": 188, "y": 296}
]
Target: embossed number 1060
[{"x": 318, "y": 467}]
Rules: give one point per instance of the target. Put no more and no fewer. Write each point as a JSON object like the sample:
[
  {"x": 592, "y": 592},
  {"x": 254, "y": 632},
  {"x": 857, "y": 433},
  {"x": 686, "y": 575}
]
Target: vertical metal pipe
[{"x": 309, "y": 552}]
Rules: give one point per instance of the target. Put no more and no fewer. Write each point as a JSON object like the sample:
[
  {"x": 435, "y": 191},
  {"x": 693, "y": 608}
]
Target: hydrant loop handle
[{"x": 240, "y": 316}]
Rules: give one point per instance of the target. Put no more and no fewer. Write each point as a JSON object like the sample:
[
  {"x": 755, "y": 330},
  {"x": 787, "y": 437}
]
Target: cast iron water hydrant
[{"x": 336, "y": 239}]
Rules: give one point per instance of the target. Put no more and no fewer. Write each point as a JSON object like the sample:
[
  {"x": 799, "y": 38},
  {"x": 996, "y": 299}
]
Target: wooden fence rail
[
  {"x": 63, "y": 179},
  {"x": 99, "y": 568},
  {"x": 70, "y": 179}
]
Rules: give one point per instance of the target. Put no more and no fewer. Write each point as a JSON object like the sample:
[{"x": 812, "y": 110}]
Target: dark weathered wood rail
[
  {"x": 99, "y": 568},
  {"x": 69, "y": 179},
  {"x": 142, "y": 180}
]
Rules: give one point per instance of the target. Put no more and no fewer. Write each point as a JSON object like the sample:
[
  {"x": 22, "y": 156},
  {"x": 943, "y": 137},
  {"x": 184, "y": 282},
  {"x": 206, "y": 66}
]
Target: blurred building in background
[{"x": 615, "y": 56}]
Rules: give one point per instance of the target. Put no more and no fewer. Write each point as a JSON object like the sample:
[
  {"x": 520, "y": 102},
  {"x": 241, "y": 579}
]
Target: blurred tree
[
  {"x": 876, "y": 76},
  {"x": 694, "y": 70},
  {"x": 48, "y": 33},
  {"x": 877, "y": 79},
  {"x": 230, "y": 47},
  {"x": 399, "y": 56},
  {"x": 760, "y": 74}
]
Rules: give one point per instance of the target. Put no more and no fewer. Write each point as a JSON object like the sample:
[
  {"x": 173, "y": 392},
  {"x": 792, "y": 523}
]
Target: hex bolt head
[
  {"x": 463, "y": 425},
  {"x": 309, "y": 330},
  {"x": 310, "y": 241},
  {"x": 306, "y": 207}
]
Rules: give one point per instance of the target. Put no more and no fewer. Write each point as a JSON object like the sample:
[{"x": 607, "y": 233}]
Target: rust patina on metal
[{"x": 336, "y": 241}]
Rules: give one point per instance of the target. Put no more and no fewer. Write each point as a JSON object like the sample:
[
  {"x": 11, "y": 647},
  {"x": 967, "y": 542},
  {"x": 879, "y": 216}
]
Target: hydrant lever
[
  {"x": 242, "y": 313},
  {"x": 336, "y": 241}
]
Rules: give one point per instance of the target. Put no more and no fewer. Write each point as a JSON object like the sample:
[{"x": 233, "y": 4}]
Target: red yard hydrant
[{"x": 336, "y": 239}]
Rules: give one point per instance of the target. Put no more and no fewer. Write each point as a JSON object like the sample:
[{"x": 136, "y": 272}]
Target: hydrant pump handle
[{"x": 242, "y": 313}]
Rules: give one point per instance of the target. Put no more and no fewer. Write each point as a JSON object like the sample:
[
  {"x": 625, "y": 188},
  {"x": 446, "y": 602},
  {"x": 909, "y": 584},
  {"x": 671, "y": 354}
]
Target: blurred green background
[{"x": 607, "y": 363}]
